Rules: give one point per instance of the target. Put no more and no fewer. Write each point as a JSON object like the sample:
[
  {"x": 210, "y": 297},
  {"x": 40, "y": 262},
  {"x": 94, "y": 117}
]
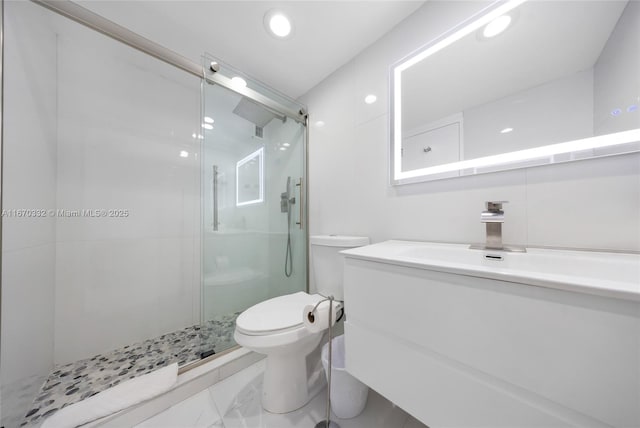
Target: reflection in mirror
[
  {"x": 520, "y": 84},
  {"x": 250, "y": 179}
]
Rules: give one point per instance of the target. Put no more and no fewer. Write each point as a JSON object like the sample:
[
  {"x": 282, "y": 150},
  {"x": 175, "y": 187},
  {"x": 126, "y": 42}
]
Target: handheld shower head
[
  {"x": 285, "y": 206},
  {"x": 286, "y": 200}
]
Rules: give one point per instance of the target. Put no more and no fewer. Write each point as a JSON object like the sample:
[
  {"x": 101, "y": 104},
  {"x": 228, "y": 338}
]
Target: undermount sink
[{"x": 602, "y": 273}]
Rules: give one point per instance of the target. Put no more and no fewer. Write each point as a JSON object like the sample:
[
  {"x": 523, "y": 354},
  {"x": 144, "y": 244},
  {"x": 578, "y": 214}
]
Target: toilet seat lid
[{"x": 279, "y": 314}]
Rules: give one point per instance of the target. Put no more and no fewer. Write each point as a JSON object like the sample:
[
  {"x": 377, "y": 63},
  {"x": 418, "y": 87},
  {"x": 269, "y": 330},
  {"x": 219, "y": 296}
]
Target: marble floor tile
[
  {"x": 197, "y": 411},
  {"x": 238, "y": 398}
]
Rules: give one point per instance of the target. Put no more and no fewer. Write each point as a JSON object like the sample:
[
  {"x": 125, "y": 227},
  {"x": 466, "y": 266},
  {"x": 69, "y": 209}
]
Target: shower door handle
[
  {"x": 215, "y": 197},
  {"x": 300, "y": 203}
]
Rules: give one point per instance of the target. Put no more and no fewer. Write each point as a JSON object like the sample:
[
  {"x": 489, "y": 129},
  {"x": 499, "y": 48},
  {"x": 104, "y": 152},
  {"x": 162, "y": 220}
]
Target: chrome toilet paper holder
[{"x": 327, "y": 423}]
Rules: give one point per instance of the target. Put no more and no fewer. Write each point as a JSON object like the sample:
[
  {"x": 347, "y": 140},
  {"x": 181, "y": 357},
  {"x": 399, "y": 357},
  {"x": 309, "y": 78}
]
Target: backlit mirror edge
[
  {"x": 259, "y": 154},
  {"x": 617, "y": 143}
]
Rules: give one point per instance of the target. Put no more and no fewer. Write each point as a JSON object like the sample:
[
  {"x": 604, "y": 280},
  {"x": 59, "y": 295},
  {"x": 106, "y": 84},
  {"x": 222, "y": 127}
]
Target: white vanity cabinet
[{"x": 458, "y": 345}]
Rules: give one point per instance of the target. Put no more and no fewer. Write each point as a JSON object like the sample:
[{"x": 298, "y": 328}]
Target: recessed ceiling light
[
  {"x": 496, "y": 26},
  {"x": 194, "y": 135},
  {"x": 238, "y": 82},
  {"x": 319, "y": 124},
  {"x": 506, "y": 130},
  {"x": 207, "y": 119},
  {"x": 184, "y": 154},
  {"x": 283, "y": 148},
  {"x": 207, "y": 126},
  {"x": 286, "y": 144},
  {"x": 370, "y": 99},
  {"x": 278, "y": 24}
]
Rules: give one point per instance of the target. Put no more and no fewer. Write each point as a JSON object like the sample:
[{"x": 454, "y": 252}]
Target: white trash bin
[{"x": 348, "y": 394}]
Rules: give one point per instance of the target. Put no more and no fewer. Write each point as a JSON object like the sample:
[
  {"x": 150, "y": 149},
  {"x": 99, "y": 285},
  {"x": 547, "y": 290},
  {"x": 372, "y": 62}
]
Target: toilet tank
[{"x": 327, "y": 264}]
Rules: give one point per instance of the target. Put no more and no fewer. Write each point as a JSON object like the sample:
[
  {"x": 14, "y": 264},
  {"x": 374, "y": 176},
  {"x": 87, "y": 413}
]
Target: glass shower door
[{"x": 254, "y": 244}]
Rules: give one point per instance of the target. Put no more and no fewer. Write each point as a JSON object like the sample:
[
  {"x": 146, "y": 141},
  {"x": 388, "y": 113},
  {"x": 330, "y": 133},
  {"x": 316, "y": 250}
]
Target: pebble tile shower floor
[{"x": 73, "y": 382}]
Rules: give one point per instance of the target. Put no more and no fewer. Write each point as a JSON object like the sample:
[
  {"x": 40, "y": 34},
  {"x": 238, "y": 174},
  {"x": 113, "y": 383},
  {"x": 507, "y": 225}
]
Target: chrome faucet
[{"x": 493, "y": 217}]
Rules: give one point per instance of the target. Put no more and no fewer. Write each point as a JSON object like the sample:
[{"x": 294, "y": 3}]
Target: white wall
[
  {"x": 29, "y": 171},
  {"x": 586, "y": 204},
  {"x": 123, "y": 120}
]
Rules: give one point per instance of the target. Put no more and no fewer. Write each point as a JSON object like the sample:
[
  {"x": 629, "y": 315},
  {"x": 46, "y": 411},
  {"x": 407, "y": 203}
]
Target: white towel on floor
[{"x": 114, "y": 399}]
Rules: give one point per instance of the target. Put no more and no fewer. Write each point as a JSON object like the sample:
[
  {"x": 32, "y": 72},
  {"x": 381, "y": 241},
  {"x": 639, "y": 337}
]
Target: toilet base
[{"x": 291, "y": 381}]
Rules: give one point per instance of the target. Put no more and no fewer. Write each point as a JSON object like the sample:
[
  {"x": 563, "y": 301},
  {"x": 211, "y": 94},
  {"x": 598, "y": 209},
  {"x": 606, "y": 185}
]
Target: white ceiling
[{"x": 327, "y": 33}]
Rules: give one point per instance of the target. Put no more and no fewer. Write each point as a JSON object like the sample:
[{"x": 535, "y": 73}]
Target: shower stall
[{"x": 146, "y": 201}]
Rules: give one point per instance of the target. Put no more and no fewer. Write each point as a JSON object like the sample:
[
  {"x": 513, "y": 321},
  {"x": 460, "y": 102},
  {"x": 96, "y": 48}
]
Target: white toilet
[{"x": 293, "y": 375}]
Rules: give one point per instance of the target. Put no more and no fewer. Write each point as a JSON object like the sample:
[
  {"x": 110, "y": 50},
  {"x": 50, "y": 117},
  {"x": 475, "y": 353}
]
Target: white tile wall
[
  {"x": 29, "y": 169},
  {"x": 586, "y": 204},
  {"x": 27, "y": 340},
  {"x": 101, "y": 129},
  {"x": 110, "y": 293},
  {"x": 589, "y": 204},
  {"x": 123, "y": 120}
]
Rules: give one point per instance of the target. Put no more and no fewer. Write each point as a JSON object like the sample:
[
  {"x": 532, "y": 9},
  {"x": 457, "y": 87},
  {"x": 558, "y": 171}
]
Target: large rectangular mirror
[{"x": 522, "y": 83}]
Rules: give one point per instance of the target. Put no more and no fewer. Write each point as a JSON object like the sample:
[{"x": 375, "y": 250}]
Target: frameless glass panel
[{"x": 253, "y": 244}]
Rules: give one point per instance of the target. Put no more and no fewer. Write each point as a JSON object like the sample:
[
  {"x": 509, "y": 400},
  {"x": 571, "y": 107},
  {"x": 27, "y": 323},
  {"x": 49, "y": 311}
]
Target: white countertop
[{"x": 607, "y": 274}]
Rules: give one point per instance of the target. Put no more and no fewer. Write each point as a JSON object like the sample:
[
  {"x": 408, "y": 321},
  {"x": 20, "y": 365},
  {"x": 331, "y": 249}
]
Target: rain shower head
[{"x": 254, "y": 113}]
